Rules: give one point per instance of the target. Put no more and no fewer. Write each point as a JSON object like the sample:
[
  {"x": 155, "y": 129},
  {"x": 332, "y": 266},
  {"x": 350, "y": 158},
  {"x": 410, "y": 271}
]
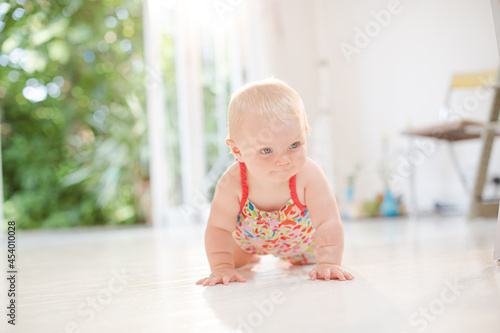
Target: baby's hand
[
  {"x": 329, "y": 271},
  {"x": 224, "y": 275}
]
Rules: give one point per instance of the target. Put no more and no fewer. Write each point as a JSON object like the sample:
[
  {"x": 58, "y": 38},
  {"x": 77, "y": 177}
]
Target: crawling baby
[{"x": 273, "y": 199}]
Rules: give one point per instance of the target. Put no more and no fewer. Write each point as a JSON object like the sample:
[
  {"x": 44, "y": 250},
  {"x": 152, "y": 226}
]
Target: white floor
[{"x": 427, "y": 275}]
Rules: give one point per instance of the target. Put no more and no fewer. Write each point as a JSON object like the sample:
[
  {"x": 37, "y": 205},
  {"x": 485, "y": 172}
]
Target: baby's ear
[{"x": 234, "y": 149}]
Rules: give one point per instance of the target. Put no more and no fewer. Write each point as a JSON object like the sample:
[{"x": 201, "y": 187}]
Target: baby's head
[
  {"x": 270, "y": 99},
  {"x": 266, "y": 115}
]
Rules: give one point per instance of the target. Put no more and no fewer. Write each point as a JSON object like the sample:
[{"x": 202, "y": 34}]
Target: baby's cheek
[
  {"x": 257, "y": 167},
  {"x": 301, "y": 158}
]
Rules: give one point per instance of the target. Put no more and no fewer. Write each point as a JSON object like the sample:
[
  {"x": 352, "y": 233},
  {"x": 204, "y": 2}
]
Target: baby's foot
[{"x": 255, "y": 258}]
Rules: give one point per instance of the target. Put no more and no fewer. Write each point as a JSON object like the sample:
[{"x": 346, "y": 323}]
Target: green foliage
[{"x": 74, "y": 140}]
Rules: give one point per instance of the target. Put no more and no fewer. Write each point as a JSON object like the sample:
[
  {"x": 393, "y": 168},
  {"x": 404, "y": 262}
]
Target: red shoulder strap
[
  {"x": 293, "y": 191},
  {"x": 244, "y": 186}
]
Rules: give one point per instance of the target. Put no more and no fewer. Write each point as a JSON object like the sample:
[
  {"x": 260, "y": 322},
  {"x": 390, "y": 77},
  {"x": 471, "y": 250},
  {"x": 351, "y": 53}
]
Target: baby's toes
[{"x": 255, "y": 258}]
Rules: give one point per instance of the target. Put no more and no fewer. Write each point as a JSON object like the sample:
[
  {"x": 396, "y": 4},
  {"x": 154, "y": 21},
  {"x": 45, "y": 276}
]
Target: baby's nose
[{"x": 283, "y": 160}]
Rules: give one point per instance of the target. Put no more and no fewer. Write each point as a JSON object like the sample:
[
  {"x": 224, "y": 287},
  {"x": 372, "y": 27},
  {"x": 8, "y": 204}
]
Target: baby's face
[{"x": 273, "y": 151}]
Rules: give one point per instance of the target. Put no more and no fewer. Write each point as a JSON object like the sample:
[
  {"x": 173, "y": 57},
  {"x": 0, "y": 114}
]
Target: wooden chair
[{"x": 452, "y": 131}]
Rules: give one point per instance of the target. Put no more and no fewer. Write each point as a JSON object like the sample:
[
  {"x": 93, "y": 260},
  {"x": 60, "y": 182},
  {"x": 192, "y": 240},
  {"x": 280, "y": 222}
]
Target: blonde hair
[{"x": 270, "y": 99}]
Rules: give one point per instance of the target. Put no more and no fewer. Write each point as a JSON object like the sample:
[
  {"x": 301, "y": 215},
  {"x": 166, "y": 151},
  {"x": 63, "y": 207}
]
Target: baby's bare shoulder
[
  {"x": 229, "y": 184},
  {"x": 225, "y": 204},
  {"x": 318, "y": 193},
  {"x": 310, "y": 172}
]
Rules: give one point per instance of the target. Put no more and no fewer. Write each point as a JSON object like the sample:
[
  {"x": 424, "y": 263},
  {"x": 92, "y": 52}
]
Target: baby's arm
[
  {"x": 329, "y": 234},
  {"x": 219, "y": 243}
]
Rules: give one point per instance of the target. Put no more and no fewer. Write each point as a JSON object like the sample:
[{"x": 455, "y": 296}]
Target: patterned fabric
[{"x": 286, "y": 233}]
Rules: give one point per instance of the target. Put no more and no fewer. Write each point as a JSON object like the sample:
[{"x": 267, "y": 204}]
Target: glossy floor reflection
[{"x": 427, "y": 275}]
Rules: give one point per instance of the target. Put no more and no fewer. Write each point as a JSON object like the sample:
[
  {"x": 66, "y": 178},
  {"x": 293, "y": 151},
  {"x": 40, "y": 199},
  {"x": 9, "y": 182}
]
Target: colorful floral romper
[{"x": 286, "y": 233}]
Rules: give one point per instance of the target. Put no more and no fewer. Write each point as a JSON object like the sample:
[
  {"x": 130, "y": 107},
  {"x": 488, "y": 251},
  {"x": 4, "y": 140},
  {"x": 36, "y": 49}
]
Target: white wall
[{"x": 399, "y": 79}]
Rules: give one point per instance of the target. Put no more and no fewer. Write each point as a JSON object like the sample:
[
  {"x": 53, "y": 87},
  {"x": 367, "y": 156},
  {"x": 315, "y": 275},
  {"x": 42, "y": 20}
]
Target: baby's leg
[{"x": 241, "y": 258}]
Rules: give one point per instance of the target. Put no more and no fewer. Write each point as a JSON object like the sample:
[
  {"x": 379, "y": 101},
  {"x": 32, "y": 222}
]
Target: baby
[{"x": 273, "y": 199}]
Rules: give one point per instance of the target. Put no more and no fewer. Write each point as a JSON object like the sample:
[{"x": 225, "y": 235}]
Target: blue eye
[
  {"x": 266, "y": 151},
  {"x": 294, "y": 145}
]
